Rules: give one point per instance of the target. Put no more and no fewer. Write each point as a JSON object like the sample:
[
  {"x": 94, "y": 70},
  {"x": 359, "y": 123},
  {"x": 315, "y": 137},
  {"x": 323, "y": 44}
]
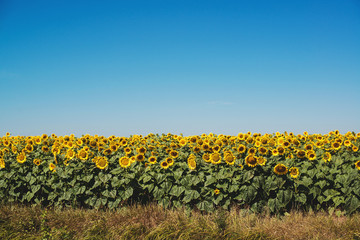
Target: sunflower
[
  {"x": 83, "y": 155},
  {"x": 164, "y": 164},
  {"x": 252, "y": 150},
  {"x": 173, "y": 154},
  {"x": 2, "y": 163},
  {"x": 241, "y": 148},
  {"x": 311, "y": 155},
  {"x": 206, "y": 157},
  {"x": 127, "y": 150},
  {"x": 355, "y": 148},
  {"x": 21, "y": 157},
  {"x": 294, "y": 172},
  {"x": 170, "y": 161},
  {"x": 192, "y": 164},
  {"x": 114, "y": 147},
  {"x": 280, "y": 169},
  {"x": 141, "y": 150},
  {"x": 301, "y": 154},
  {"x": 37, "y": 161},
  {"x": 215, "y": 158},
  {"x": 216, "y": 148},
  {"x": 152, "y": 159},
  {"x": 205, "y": 147},
  {"x": 261, "y": 161},
  {"x": 309, "y": 147},
  {"x": 140, "y": 158},
  {"x": 107, "y": 151},
  {"x": 281, "y": 150},
  {"x": 336, "y": 145},
  {"x": 347, "y": 143},
  {"x": 286, "y": 144},
  {"x": 29, "y": 148},
  {"x": 327, "y": 157},
  {"x": 183, "y": 142},
  {"x": 229, "y": 158},
  {"x": 275, "y": 152},
  {"x": 263, "y": 150},
  {"x": 102, "y": 162},
  {"x": 52, "y": 167},
  {"x": 357, "y": 165},
  {"x": 93, "y": 144},
  {"x": 251, "y": 160},
  {"x": 124, "y": 162},
  {"x": 216, "y": 191},
  {"x": 70, "y": 154}
]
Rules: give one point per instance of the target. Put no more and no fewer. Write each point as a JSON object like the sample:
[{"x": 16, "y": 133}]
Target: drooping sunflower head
[
  {"x": 294, "y": 172},
  {"x": 251, "y": 160},
  {"x": 280, "y": 169}
]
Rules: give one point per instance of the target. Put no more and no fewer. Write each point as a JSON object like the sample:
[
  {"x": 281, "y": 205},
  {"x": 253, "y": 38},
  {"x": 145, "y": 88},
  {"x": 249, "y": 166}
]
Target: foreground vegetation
[
  {"x": 153, "y": 222},
  {"x": 277, "y": 172}
]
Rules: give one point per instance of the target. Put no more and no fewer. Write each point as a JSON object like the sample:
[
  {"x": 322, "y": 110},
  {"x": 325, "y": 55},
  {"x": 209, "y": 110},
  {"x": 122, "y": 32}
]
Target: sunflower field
[{"x": 276, "y": 172}]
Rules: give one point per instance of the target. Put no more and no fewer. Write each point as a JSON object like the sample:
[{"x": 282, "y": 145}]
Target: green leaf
[
  {"x": 128, "y": 192},
  {"x": 210, "y": 180},
  {"x": 301, "y": 198},
  {"x": 354, "y": 204},
  {"x": 177, "y": 190},
  {"x": 88, "y": 178},
  {"x": 35, "y": 188},
  {"x": 146, "y": 178},
  {"x": 248, "y": 175}
]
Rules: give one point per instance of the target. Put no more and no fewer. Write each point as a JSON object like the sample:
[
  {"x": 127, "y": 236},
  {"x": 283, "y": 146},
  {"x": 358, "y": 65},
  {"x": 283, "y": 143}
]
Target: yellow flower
[
  {"x": 29, "y": 148},
  {"x": 37, "y": 161},
  {"x": 311, "y": 155},
  {"x": 336, "y": 145},
  {"x": 357, "y": 165},
  {"x": 2, "y": 163},
  {"x": 206, "y": 157},
  {"x": 192, "y": 164},
  {"x": 152, "y": 159},
  {"x": 102, "y": 162},
  {"x": 140, "y": 158},
  {"x": 301, "y": 154},
  {"x": 52, "y": 167},
  {"x": 141, "y": 150},
  {"x": 216, "y": 191},
  {"x": 355, "y": 148},
  {"x": 164, "y": 164},
  {"x": 241, "y": 148},
  {"x": 174, "y": 154},
  {"x": 229, "y": 158},
  {"x": 251, "y": 160},
  {"x": 261, "y": 161},
  {"x": 327, "y": 157},
  {"x": 21, "y": 157},
  {"x": 83, "y": 154},
  {"x": 263, "y": 150},
  {"x": 294, "y": 172},
  {"x": 280, "y": 169},
  {"x": 124, "y": 162},
  {"x": 215, "y": 158}
]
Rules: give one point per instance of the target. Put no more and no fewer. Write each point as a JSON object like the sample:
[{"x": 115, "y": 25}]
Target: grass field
[{"x": 153, "y": 222}]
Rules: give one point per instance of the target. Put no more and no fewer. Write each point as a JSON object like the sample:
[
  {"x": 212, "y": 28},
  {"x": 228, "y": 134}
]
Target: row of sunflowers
[{"x": 272, "y": 171}]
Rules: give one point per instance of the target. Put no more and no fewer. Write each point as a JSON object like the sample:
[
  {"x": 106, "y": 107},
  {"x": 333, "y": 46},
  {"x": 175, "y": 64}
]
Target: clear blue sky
[{"x": 192, "y": 67}]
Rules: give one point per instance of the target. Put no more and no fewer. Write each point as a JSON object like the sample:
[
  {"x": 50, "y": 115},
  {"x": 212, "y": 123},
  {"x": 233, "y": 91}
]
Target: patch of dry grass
[{"x": 153, "y": 222}]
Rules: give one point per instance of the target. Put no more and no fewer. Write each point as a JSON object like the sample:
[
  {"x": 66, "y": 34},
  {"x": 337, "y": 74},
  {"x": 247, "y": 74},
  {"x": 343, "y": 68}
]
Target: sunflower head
[
  {"x": 294, "y": 172},
  {"x": 173, "y": 154},
  {"x": 152, "y": 159},
  {"x": 2, "y": 163},
  {"x": 124, "y": 162},
  {"x": 280, "y": 169},
  {"x": 140, "y": 158},
  {"x": 216, "y": 191},
  {"x": 52, "y": 167},
  {"x": 102, "y": 163},
  {"x": 164, "y": 165},
  {"x": 251, "y": 160},
  {"x": 357, "y": 165},
  {"x": 37, "y": 161},
  {"x": 215, "y": 158},
  {"x": 241, "y": 148}
]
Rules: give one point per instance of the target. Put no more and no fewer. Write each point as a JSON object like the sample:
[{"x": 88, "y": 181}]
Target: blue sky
[{"x": 192, "y": 67}]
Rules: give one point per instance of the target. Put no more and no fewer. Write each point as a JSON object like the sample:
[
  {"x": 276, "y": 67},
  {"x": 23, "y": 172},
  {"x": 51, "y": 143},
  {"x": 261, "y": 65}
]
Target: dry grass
[{"x": 153, "y": 222}]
